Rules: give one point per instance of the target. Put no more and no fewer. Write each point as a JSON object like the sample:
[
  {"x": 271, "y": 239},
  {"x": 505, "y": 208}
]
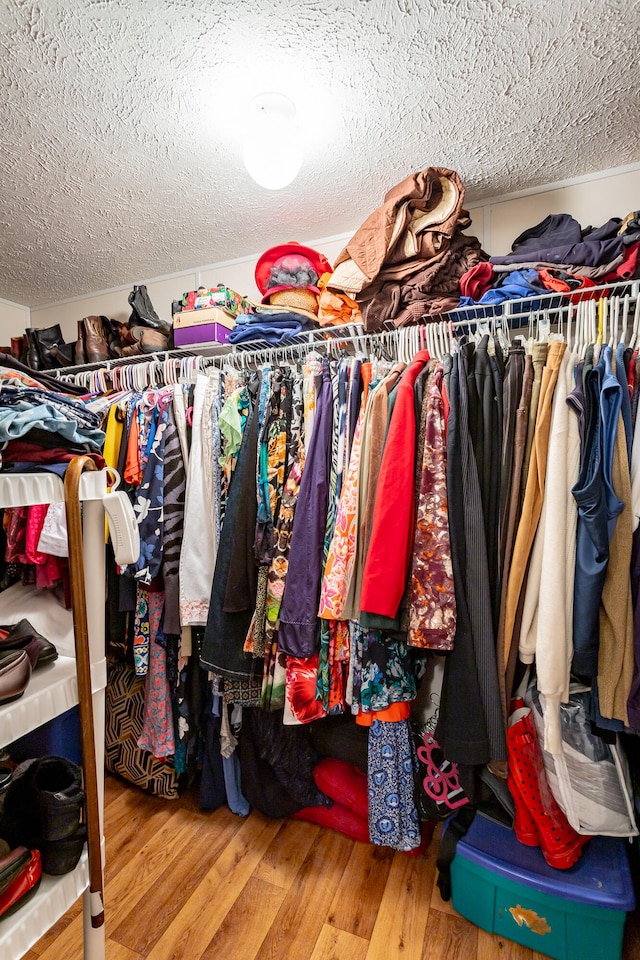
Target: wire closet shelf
[{"x": 556, "y": 311}]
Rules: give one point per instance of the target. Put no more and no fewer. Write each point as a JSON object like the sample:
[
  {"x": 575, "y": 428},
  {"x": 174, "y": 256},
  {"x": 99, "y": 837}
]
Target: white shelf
[
  {"x": 27, "y": 489},
  {"x": 52, "y": 690},
  {"x": 55, "y": 895}
]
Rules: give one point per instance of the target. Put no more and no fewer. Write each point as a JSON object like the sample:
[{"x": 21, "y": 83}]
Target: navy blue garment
[
  {"x": 561, "y": 228},
  {"x": 576, "y": 402},
  {"x": 299, "y": 631},
  {"x": 621, "y": 374},
  {"x": 355, "y": 392},
  {"x": 598, "y": 510},
  {"x": 149, "y": 504},
  {"x": 587, "y": 253},
  {"x": 273, "y": 333},
  {"x": 228, "y": 622},
  {"x": 560, "y": 239},
  {"x": 275, "y": 328}
]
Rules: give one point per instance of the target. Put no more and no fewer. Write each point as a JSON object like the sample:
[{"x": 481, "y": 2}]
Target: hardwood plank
[
  {"x": 155, "y": 909},
  {"x": 115, "y": 951},
  {"x": 399, "y": 929},
  {"x": 450, "y": 938},
  {"x": 69, "y": 943},
  {"x": 57, "y": 929},
  {"x": 156, "y": 863},
  {"x": 131, "y": 824},
  {"x": 246, "y": 925},
  {"x": 193, "y": 928},
  {"x": 333, "y": 944},
  {"x": 112, "y": 788},
  {"x": 286, "y": 853},
  {"x": 631, "y": 943},
  {"x": 299, "y": 921},
  {"x": 490, "y": 946},
  {"x": 304, "y": 874},
  {"x": 437, "y": 903},
  {"x": 357, "y": 899}
]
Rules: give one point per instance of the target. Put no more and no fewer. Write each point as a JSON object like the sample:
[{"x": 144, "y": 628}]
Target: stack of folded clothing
[
  {"x": 40, "y": 430},
  {"x": 407, "y": 258},
  {"x": 557, "y": 255},
  {"x": 287, "y": 276},
  {"x": 47, "y": 420},
  {"x": 274, "y": 327}
]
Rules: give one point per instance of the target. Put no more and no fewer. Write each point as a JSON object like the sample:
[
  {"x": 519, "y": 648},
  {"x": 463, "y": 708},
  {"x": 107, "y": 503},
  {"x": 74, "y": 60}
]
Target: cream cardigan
[{"x": 547, "y": 621}]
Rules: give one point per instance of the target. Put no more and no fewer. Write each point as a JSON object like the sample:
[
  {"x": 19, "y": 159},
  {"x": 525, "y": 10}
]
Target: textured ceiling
[{"x": 122, "y": 132}]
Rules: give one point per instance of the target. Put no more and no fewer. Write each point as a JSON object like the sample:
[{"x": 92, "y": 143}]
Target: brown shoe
[
  {"x": 79, "y": 355},
  {"x": 18, "y": 347},
  {"x": 95, "y": 342},
  {"x": 152, "y": 340}
]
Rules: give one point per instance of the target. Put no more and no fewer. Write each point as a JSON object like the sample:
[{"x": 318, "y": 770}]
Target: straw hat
[{"x": 301, "y": 297}]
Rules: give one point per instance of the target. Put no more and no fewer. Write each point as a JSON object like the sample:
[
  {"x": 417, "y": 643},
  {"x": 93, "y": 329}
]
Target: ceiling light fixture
[{"x": 272, "y": 153}]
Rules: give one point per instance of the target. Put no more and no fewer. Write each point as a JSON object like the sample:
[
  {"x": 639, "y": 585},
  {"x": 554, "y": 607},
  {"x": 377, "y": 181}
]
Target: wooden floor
[{"x": 186, "y": 885}]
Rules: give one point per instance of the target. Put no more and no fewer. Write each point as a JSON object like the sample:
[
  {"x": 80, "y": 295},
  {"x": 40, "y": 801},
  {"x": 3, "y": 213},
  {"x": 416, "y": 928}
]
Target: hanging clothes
[
  {"x": 479, "y": 736},
  {"x": 534, "y": 493},
  {"x": 432, "y": 604},
  {"x": 233, "y": 591},
  {"x": 598, "y": 510},
  {"x": 389, "y": 555},
  {"x": 547, "y": 624},
  {"x": 298, "y": 633},
  {"x": 198, "y": 554}
]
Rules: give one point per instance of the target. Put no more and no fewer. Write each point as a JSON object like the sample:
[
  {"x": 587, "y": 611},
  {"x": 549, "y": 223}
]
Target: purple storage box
[{"x": 201, "y": 334}]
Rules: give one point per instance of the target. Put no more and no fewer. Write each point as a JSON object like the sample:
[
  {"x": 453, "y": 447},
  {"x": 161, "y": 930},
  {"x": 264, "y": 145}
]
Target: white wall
[
  {"x": 591, "y": 200},
  {"x": 13, "y": 319},
  {"x": 237, "y": 274}
]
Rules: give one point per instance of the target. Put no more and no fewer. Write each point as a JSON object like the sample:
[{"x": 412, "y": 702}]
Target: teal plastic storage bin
[{"x": 508, "y": 889}]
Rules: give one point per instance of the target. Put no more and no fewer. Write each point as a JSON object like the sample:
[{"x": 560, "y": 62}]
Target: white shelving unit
[{"x": 51, "y": 692}]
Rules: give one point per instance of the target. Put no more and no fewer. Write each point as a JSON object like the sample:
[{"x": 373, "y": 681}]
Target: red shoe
[
  {"x": 537, "y": 811},
  {"x": 523, "y": 823},
  {"x": 23, "y": 887}
]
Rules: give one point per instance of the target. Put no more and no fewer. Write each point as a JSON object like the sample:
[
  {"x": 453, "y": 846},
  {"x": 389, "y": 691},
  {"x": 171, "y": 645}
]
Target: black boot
[
  {"x": 46, "y": 339},
  {"x": 142, "y": 312},
  {"x": 32, "y": 358},
  {"x": 43, "y": 809}
]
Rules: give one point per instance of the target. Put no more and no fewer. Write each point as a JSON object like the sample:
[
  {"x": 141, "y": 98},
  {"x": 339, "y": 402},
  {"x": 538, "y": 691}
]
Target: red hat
[{"x": 289, "y": 257}]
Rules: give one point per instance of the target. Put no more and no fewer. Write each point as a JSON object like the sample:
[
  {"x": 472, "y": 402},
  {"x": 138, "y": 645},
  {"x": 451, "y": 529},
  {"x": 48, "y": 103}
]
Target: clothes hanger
[
  {"x": 444, "y": 344},
  {"x": 432, "y": 346},
  {"x": 615, "y": 323},
  {"x": 602, "y": 317},
  {"x": 625, "y": 317},
  {"x": 595, "y": 327},
  {"x": 636, "y": 325},
  {"x": 568, "y": 334},
  {"x": 577, "y": 329}
]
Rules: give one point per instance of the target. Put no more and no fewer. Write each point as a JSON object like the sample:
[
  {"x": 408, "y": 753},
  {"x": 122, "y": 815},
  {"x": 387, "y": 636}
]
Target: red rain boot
[{"x": 536, "y": 808}]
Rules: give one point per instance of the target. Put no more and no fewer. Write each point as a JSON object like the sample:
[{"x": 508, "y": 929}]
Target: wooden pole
[{"x": 83, "y": 667}]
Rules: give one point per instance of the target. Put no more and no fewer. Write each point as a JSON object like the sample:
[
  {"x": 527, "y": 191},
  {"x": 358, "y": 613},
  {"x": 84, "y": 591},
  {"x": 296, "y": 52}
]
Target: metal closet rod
[{"x": 556, "y": 304}]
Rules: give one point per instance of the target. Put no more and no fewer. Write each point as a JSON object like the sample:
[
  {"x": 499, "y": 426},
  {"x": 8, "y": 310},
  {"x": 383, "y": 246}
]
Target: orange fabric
[
  {"x": 335, "y": 309},
  {"x": 392, "y": 714},
  {"x": 132, "y": 473},
  {"x": 366, "y": 372}
]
